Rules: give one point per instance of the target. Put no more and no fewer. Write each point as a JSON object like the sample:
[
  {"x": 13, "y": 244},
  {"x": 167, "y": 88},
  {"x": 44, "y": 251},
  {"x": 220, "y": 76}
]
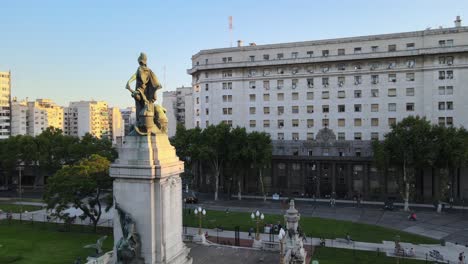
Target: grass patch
[
  {"x": 23, "y": 243},
  {"x": 312, "y": 226},
  {"x": 327, "y": 255},
  {"x": 16, "y": 208}
]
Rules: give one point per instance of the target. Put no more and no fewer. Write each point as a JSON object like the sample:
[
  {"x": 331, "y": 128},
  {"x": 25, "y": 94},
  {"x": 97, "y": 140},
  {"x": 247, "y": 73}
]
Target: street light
[
  {"x": 281, "y": 237},
  {"x": 257, "y": 217},
  {"x": 20, "y": 188},
  {"x": 200, "y": 212}
]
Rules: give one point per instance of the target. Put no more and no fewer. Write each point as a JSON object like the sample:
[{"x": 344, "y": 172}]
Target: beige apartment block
[
  {"x": 5, "y": 104},
  {"x": 87, "y": 117},
  {"x": 32, "y": 118}
]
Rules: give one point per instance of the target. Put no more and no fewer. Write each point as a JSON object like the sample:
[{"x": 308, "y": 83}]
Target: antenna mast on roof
[{"x": 230, "y": 30}]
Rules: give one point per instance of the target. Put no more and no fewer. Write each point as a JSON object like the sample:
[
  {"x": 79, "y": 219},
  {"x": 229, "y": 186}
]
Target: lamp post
[
  {"x": 281, "y": 237},
  {"x": 20, "y": 192},
  {"x": 200, "y": 212},
  {"x": 257, "y": 217}
]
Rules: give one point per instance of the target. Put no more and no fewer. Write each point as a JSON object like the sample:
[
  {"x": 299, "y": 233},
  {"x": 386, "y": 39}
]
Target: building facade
[
  {"x": 32, "y": 118},
  {"x": 178, "y": 105},
  {"x": 87, "y": 117},
  {"x": 5, "y": 104},
  {"x": 352, "y": 88},
  {"x": 129, "y": 118},
  {"x": 116, "y": 124}
]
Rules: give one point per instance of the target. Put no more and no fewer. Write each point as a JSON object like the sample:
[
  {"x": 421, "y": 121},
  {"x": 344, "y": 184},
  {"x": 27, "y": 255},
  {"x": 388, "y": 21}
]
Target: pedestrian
[
  {"x": 461, "y": 258},
  {"x": 250, "y": 231}
]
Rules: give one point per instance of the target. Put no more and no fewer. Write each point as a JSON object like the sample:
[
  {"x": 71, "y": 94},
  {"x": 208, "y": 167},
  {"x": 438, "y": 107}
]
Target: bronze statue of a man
[{"x": 148, "y": 115}]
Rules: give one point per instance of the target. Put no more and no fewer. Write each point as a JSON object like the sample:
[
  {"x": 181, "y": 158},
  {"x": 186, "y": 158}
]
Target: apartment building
[
  {"x": 32, "y": 118},
  {"x": 178, "y": 105},
  {"x": 347, "y": 90},
  {"x": 5, "y": 104},
  {"x": 129, "y": 117},
  {"x": 87, "y": 117},
  {"x": 116, "y": 124}
]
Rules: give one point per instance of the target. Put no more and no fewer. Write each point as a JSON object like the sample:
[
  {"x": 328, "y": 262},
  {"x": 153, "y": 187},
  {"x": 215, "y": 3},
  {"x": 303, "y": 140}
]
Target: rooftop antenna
[{"x": 230, "y": 30}]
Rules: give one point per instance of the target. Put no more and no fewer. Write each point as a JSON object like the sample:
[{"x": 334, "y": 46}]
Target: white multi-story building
[
  {"x": 32, "y": 118},
  {"x": 129, "y": 117},
  {"x": 179, "y": 106},
  {"x": 355, "y": 86},
  {"x": 87, "y": 117},
  {"x": 5, "y": 104},
  {"x": 116, "y": 124}
]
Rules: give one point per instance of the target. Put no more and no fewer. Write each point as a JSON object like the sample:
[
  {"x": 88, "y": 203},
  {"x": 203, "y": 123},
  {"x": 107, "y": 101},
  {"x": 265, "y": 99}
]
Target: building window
[
  {"x": 252, "y": 110},
  {"x": 310, "y": 109},
  {"x": 449, "y": 105},
  {"x": 391, "y": 65},
  {"x": 310, "y": 136},
  {"x": 266, "y": 72},
  {"x": 341, "y": 136},
  {"x": 325, "y": 68},
  {"x": 207, "y": 99},
  {"x": 310, "y": 95},
  {"x": 310, "y": 54},
  {"x": 341, "y": 94},
  {"x": 252, "y": 97},
  {"x": 375, "y": 48},
  {"x": 410, "y": 76},
  {"x": 266, "y": 123},
  {"x": 280, "y": 110},
  {"x": 325, "y": 108},
  {"x": 341, "y": 81},
  {"x": 325, "y": 82},
  {"x": 441, "y": 75},
  {"x": 295, "y": 109},
  {"x": 266, "y": 57},
  {"x": 341, "y": 108},
  {"x": 357, "y": 136},
  {"x": 357, "y": 122},
  {"x": 441, "y": 105},
  {"x": 325, "y": 122},
  {"x": 357, "y": 80},
  {"x": 227, "y": 111},
  {"x": 310, "y": 83},
  {"x": 357, "y": 93},
  {"x": 280, "y": 97},
  {"x": 252, "y": 123},
  {"x": 266, "y": 85},
  {"x": 207, "y": 87},
  {"x": 341, "y": 122},
  {"x": 198, "y": 100},
  {"x": 266, "y": 97},
  {"x": 392, "y": 92},
  {"x": 374, "y": 122},
  {"x": 374, "y": 107},
  {"x": 279, "y": 84},
  {"x": 449, "y": 121},
  {"x": 325, "y": 53},
  {"x": 294, "y": 55},
  {"x": 280, "y": 123},
  {"x": 441, "y": 121},
  {"x": 252, "y": 84},
  {"x": 280, "y": 137},
  {"x": 341, "y": 51},
  {"x": 374, "y": 135},
  {"x": 449, "y": 74},
  {"x": 266, "y": 110},
  {"x": 392, "y": 47},
  {"x": 295, "y": 122},
  {"x": 392, "y": 77},
  {"x": 227, "y": 86},
  {"x": 310, "y": 123},
  {"x": 392, "y": 107},
  {"x": 374, "y": 92},
  {"x": 280, "y": 56},
  {"x": 410, "y": 46},
  {"x": 252, "y": 58},
  {"x": 410, "y": 63},
  {"x": 227, "y": 73},
  {"x": 295, "y": 136},
  {"x": 294, "y": 83},
  {"x": 325, "y": 95},
  {"x": 252, "y": 72},
  {"x": 295, "y": 96},
  {"x": 227, "y": 98},
  {"x": 341, "y": 66},
  {"x": 449, "y": 90},
  {"x": 280, "y": 71},
  {"x": 357, "y": 50},
  {"x": 357, "y": 108},
  {"x": 227, "y": 59},
  {"x": 374, "y": 79},
  {"x": 391, "y": 121},
  {"x": 409, "y": 91}
]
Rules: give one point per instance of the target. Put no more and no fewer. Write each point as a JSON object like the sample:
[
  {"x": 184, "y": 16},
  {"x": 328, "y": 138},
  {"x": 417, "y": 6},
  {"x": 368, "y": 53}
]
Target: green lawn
[
  {"x": 347, "y": 256},
  {"x": 22, "y": 243},
  {"x": 312, "y": 226},
  {"x": 16, "y": 208}
]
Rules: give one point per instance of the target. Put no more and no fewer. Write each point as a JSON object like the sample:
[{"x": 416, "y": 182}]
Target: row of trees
[
  {"x": 223, "y": 147},
  {"x": 50, "y": 151},
  {"x": 413, "y": 145}
]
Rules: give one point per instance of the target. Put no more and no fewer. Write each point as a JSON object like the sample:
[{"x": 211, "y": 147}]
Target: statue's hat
[{"x": 142, "y": 58}]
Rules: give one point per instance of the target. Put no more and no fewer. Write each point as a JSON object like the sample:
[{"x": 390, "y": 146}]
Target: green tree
[
  {"x": 238, "y": 156},
  {"x": 260, "y": 152},
  {"x": 213, "y": 150},
  {"x": 85, "y": 186},
  {"x": 407, "y": 146}
]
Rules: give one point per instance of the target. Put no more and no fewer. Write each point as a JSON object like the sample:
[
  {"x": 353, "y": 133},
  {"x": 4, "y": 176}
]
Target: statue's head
[{"x": 142, "y": 59}]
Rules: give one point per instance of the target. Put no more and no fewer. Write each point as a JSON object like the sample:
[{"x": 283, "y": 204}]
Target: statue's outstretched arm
[{"x": 132, "y": 79}]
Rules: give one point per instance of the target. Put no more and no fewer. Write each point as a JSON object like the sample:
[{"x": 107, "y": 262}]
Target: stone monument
[
  {"x": 147, "y": 184},
  {"x": 294, "y": 252}
]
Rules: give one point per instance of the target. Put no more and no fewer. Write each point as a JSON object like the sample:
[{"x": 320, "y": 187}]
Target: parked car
[{"x": 190, "y": 197}]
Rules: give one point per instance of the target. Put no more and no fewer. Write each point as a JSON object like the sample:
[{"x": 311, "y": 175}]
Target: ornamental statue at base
[
  {"x": 292, "y": 247},
  {"x": 150, "y": 117}
]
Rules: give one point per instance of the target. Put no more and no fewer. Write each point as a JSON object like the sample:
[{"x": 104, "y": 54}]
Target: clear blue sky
[{"x": 82, "y": 50}]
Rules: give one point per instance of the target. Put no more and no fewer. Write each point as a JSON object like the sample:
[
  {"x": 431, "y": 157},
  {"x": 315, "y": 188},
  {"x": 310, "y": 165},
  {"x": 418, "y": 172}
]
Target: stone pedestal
[
  {"x": 294, "y": 247},
  {"x": 147, "y": 185}
]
